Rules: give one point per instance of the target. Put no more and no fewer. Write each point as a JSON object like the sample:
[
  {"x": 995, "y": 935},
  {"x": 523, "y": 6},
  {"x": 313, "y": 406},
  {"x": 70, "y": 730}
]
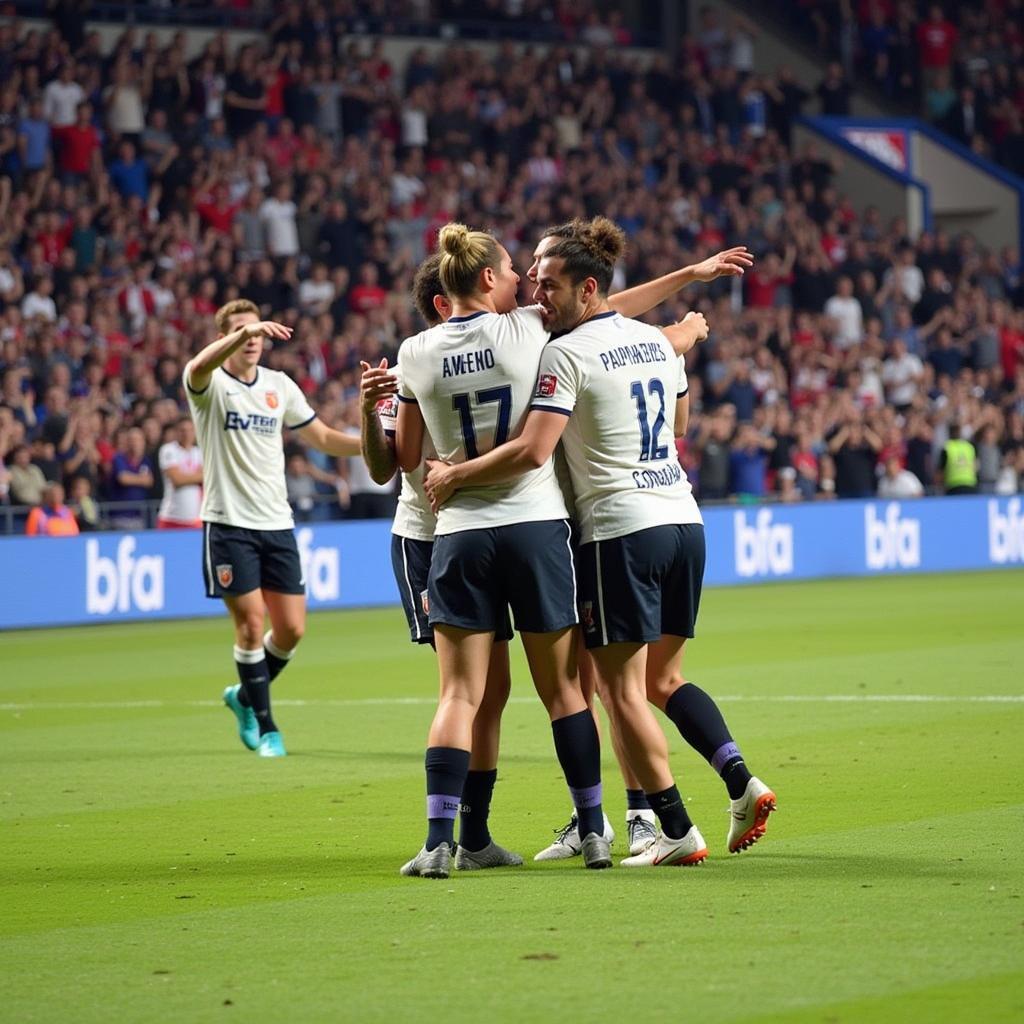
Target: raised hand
[
  {"x": 376, "y": 383},
  {"x": 700, "y": 325},
  {"x": 728, "y": 263},
  {"x": 267, "y": 329}
]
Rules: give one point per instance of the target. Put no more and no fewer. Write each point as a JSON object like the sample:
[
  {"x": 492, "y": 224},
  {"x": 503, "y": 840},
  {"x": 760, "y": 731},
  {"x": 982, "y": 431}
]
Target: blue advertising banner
[{"x": 113, "y": 577}]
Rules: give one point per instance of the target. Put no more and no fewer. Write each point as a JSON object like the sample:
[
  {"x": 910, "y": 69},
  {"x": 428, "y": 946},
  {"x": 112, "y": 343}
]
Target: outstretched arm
[
  {"x": 682, "y": 336},
  {"x": 201, "y": 366},
  {"x": 532, "y": 448},
  {"x": 634, "y": 301},
  {"x": 329, "y": 441}
]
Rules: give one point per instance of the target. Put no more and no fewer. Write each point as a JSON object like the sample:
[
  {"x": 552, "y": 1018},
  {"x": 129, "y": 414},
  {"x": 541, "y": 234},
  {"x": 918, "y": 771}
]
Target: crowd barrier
[{"x": 112, "y": 577}]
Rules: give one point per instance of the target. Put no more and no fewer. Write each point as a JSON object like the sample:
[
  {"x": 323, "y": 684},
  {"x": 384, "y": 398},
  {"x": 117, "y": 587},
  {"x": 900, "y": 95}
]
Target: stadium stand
[{"x": 142, "y": 187}]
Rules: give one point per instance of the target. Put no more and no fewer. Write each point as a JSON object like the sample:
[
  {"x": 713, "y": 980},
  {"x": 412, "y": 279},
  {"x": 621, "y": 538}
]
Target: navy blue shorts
[
  {"x": 410, "y": 560},
  {"x": 637, "y": 588},
  {"x": 237, "y": 560},
  {"x": 477, "y": 575}
]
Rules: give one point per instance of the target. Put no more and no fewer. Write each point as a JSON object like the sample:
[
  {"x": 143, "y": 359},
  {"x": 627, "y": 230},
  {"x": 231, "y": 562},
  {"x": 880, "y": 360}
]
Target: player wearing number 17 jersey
[{"x": 609, "y": 388}]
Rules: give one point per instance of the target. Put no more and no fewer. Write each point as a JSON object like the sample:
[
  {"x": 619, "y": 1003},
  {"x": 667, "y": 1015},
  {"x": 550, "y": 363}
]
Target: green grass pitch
[{"x": 153, "y": 870}]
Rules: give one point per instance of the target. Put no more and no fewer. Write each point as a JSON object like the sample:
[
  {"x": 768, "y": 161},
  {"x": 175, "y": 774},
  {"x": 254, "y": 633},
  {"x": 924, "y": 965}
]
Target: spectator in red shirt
[
  {"x": 79, "y": 146},
  {"x": 936, "y": 38},
  {"x": 763, "y": 282},
  {"x": 216, "y": 209},
  {"x": 367, "y": 294}
]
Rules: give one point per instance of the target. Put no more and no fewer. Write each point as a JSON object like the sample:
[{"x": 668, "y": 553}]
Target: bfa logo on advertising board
[
  {"x": 321, "y": 567},
  {"x": 763, "y": 548},
  {"x": 124, "y": 582},
  {"x": 892, "y": 541},
  {"x": 1005, "y": 533}
]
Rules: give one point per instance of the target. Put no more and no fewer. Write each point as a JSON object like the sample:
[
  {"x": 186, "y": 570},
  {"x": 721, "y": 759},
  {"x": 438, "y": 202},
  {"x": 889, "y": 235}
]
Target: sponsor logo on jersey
[
  {"x": 892, "y": 541},
  {"x": 547, "y": 385},
  {"x": 763, "y": 548},
  {"x": 271, "y": 397},
  {"x": 250, "y": 421},
  {"x": 1005, "y": 533},
  {"x": 122, "y": 583},
  {"x": 225, "y": 575}
]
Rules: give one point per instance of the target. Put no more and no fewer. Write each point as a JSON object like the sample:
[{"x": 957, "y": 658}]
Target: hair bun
[
  {"x": 453, "y": 239},
  {"x": 605, "y": 238}
]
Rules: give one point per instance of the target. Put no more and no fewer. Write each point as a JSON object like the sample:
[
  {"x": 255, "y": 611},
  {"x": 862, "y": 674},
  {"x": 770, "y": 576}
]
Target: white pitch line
[{"x": 834, "y": 698}]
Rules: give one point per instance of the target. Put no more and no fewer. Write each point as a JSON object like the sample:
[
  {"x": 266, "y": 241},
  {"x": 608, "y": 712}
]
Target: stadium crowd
[
  {"x": 960, "y": 65},
  {"x": 139, "y": 190}
]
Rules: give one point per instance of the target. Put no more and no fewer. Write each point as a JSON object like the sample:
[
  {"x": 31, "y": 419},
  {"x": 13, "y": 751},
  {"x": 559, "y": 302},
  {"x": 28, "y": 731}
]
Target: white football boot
[
  {"x": 567, "y": 841},
  {"x": 748, "y": 816},
  {"x": 641, "y": 829},
  {"x": 665, "y": 852}
]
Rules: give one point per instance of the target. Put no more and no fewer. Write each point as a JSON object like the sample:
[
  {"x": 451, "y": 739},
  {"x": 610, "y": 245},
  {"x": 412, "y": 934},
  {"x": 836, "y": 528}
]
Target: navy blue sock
[
  {"x": 255, "y": 680},
  {"x": 277, "y": 659},
  {"x": 701, "y": 724},
  {"x": 447, "y": 768},
  {"x": 636, "y": 800},
  {"x": 476, "y": 807},
  {"x": 579, "y": 753},
  {"x": 668, "y": 806}
]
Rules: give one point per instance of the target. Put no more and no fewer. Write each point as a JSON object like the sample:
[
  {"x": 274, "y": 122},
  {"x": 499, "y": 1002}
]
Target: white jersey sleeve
[
  {"x": 298, "y": 412},
  {"x": 474, "y": 378},
  {"x": 683, "y": 387},
  {"x": 413, "y": 518}
]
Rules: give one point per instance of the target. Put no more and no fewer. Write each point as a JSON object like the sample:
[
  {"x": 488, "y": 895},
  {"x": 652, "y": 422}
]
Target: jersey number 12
[
  {"x": 460, "y": 403},
  {"x": 650, "y": 450}
]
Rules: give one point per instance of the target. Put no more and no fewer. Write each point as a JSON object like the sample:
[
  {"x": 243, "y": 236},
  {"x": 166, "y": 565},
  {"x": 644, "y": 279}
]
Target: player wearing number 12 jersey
[{"x": 608, "y": 388}]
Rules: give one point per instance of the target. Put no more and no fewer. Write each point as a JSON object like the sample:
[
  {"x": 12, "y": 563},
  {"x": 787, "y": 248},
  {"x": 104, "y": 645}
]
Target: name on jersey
[
  {"x": 467, "y": 362},
  {"x": 645, "y": 479},
  {"x": 250, "y": 421},
  {"x": 633, "y": 355}
]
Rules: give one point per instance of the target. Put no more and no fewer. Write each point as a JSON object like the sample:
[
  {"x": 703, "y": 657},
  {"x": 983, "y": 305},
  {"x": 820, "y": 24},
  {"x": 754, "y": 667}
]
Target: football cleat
[
  {"x": 248, "y": 729},
  {"x": 665, "y": 852},
  {"x": 597, "y": 852},
  {"x": 271, "y": 745},
  {"x": 567, "y": 841},
  {"x": 491, "y": 856},
  {"x": 748, "y": 816},
  {"x": 642, "y": 830},
  {"x": 436, "y": 863}
]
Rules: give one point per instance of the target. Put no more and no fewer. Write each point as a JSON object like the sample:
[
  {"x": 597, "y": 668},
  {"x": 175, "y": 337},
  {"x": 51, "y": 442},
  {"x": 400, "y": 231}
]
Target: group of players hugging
[{"x": 539, "y": 477}]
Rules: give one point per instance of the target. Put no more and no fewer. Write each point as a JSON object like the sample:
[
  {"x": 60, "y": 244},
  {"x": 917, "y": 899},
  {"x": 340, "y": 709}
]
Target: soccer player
[
  {"x": 468, "y": 383},
  {"x": 181, "y": 463},
  {"x": 604, "y": 389},
  {"x": 412, "y": 544},
  {"x": 250, "y": 558}
]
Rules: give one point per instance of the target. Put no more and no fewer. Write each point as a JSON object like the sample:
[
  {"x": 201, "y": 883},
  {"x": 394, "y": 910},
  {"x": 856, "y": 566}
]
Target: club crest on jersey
[
  {"x": 425, "y": 602},
  {"x": 587, "y": 615},
  {"x": 547, "y": 384},
  {"x": 271, "y": 397},
  {"x": 225, "y": 574}
]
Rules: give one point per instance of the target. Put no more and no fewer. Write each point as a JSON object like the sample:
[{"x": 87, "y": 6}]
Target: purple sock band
[
  {"x": 726, "y": 752},
  {"x": 585, "y": 798},
  {"x": 441, "y": 805}
]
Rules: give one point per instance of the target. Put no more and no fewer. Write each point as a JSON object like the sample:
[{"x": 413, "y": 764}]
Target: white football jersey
[
  {"x": 239, "y": 429},
  {"x": 473, "y": 379},
  {"x": 618, "y": 380},
  {"x": 180, "y": 504},
  {"x": 413, "y": 518}
]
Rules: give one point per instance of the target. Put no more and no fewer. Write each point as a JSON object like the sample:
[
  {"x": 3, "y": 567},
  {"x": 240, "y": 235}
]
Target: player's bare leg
[
  {"x": 701, "y": 724},
  {"x": 250, "y": 700},
  {"x": 623, "y": 671},
  {"x": 463, "y": 658},
  {"x": 553, "y": 665},
  {"x": 476, "y": 848}
]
